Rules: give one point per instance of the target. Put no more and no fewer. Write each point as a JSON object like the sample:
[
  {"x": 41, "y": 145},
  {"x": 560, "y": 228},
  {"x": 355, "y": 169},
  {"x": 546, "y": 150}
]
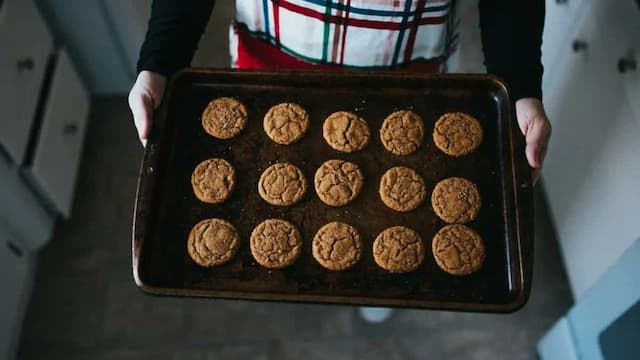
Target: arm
[
  {"x": 511, "y": 33},
  {"x": 175, "y": 27}
]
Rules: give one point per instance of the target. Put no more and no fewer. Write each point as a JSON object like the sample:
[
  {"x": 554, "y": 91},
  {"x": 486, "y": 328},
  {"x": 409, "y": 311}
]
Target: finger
[
  {"x": 141, "y": 109},
  {"x": 537, "y": 137},
  {"x": 535, "y": 175}
]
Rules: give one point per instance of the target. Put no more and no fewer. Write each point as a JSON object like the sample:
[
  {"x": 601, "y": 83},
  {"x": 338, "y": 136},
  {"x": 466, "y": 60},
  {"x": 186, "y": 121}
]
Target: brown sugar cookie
[
  {"x": 458, "y": 249},
  {"x": 275, "y": 243},
  {"x": 345, "y": 131},
  {"x": 456, "y": 200},
  {"x": 286, "y": 123},
  {"x": 338, "y": 182},
  {"x": 402, "y": 132},
  {"x": 337, "y": 246},
  {"x": 213, "y": 242},
  {"x": 224, "y": 118},
  {"x": 398, "y": 249},
  {"x": 402, "y": 189},
  {"x": 457, "y": 133},
  {"x": 213, "y": 180},
  {"x": 282, "y": 184}
]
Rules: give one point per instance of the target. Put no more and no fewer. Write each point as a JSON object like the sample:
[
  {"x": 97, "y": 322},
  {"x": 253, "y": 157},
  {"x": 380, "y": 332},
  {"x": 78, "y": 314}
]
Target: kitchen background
[{"x": 69, "y": 159}]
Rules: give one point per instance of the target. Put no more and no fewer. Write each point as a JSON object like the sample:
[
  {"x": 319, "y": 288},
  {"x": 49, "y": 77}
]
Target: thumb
[{"x": 141, "y": 108}]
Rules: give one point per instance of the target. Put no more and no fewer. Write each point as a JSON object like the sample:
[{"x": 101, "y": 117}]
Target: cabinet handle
[
  {"x": 626, "y": 64},
  {"x": 15, "y": 249},
  {"x": 25, "y": 64},
  {"x": 579, "y": 45},
  {"x": 70, "y": 128}
]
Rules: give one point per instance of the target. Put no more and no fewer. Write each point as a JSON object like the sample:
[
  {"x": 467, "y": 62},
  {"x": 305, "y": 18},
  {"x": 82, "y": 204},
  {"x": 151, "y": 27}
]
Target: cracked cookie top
[
  {"x": 402, "y": 132},
  {"x": 213, "y": 180},
  {"x": 213, "y": 242},
  {"x": 282, "y": 184},
  {"x": 402, "y": 189},
  {"x": 224, "y": 118},
  {"x": 338, "y": 182},
  {"x": 398, "y": 249},
  {"x": 345, "y": 131},
  {"x": 457, "y": 133},
  {"x": 275, "y": 243},
  {"x": 458, "y": 249},
  {"x": 337, "y": 246},
  {"x": 286, "y": 123},
  {"x": 456, "y": 200}
]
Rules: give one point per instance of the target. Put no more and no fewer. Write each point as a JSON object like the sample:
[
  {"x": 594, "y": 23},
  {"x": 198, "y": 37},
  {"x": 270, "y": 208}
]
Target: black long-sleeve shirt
[{"x": 511, "y": 33}]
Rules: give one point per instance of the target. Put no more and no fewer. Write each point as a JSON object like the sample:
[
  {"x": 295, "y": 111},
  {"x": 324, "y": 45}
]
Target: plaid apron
[{"x": 418, "y": 35}]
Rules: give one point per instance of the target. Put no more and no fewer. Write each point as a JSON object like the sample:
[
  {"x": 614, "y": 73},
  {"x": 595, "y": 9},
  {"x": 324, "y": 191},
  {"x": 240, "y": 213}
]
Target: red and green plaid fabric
[{"x": 351, "y": 33}]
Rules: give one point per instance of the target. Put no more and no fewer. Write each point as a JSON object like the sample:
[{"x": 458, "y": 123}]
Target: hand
[
  {"x": 536, "y": 128},
  {"x": 145, "y": 96}
]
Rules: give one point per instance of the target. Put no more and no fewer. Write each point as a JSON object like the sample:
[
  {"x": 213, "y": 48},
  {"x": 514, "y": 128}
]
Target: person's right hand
[{"x": 145, "y": 96}]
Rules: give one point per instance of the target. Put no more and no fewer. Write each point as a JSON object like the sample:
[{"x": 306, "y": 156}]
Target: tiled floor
[{"x": 86, "y": 306}]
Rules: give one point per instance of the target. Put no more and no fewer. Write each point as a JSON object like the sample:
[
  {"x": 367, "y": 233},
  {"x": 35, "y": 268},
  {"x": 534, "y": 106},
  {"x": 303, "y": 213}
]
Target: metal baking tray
[{"x": 166, "y": 208}]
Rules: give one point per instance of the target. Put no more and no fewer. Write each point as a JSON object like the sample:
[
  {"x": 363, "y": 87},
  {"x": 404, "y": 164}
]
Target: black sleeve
[
  {"x": 511, "y": 34},
  {"x": 175, "y": 27}
]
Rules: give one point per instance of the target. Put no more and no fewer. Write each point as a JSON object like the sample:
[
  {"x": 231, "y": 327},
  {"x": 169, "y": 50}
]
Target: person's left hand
[{"x": 536, "y": 128}]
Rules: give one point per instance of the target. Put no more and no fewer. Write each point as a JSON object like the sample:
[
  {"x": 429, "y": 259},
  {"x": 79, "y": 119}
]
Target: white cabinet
[
  {"x": 15, "y": 281},
  {"x": 25, "y": 47},
  {"x": 59, "y": 145},
  {"x": 592, "y": 168}
]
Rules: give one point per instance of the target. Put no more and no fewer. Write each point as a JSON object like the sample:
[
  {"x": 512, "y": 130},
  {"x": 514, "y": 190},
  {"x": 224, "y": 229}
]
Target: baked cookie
[
  {"x": 275, "y": 243},
  {"x": 345, "y": 131},
  {"x": 456, "y": 200},
  {"x": 398, "y": 249},
  {"x": 213, "y": 242},
  {"x": 402, "y": 132},
  {"x": 286, "y": 123},
  {"x": 338, "y": 182},
  {"x": 282, "y": 184},
  {"x": 402, "y": 189},
  {"x": 224, "y": 118},
  {"x": 458, "y": 249},
  {"x": 337, "y": 246},
  {"x": 457, "y": 133},
  {"x": 213, "y": 180}
]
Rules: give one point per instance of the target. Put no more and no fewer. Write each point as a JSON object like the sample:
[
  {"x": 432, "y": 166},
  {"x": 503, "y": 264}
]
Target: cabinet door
[
  {"x": 15, "y": 278},
  {"x": 59, "y": 147},
  {"x": 592, "y": 159},
  {"x": 25, "y": 46},
  {"x": 560, "y": 17}
]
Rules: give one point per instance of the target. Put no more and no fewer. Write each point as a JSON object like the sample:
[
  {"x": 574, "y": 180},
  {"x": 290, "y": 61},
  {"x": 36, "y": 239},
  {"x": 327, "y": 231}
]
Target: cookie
[
  {"x": 458, "y": 249},
  {"x": 398, "y": 249},
  {"x": 338, "y": 182},
  {"x": 213, "y": 242},
  {"x": 337, "y": 246},
  {"x": 457, "y": 133},
  {"x": 402, "y": 132},
  {"x": 224, "y": 118},
  {"x": 345, "y": 131},
  {"x": 402, "y": 189},
  {"x": 456, "y": 200},
  {"x": 275, "y": 243},
  {"x": 282, "y": 184},
  {"x": 286, "y": 123},
  {"x": 213, "y": 180}
]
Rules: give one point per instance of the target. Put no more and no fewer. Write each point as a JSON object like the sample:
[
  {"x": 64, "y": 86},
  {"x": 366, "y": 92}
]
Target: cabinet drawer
[
  {"x": 59, "y": 146},
  {"x": 25, "y": 45}
]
